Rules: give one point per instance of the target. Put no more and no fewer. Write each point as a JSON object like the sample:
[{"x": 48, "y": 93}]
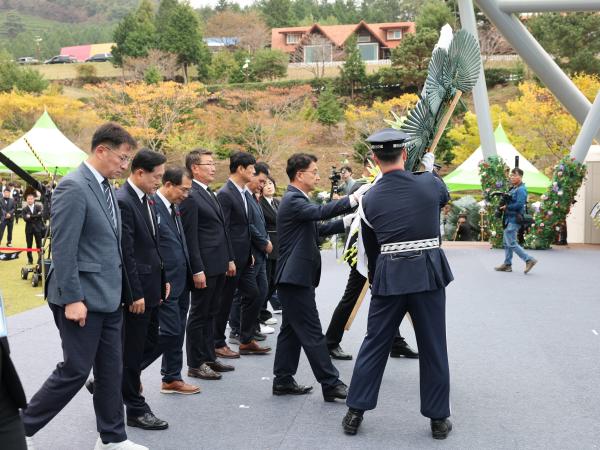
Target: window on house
[
  {"x": 394, "y": 35},
  {"x": 364, "y": 38},
  {"x": 292, "y": 38},
  {"x": 369, "y": 52},
  {"x": 317, "y": 53}
]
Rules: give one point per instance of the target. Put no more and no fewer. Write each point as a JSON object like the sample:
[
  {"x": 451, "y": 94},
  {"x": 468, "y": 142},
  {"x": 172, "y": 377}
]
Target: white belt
[{"x": 410, "y": 246}]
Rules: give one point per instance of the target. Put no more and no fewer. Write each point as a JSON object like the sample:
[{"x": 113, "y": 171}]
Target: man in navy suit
[
  {"x": 172, "y": 314},
  {"x": 211, "y": 258},
  {"x": 298, "y": 274},
  {"x": 146, "y": 276},
  {"x": 233, "y": 197},
  {"x": 408, "y": 272}
]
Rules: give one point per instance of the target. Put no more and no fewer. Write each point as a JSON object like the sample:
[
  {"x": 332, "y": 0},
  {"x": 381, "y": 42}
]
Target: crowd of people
[{"x": 164, "y": 264}]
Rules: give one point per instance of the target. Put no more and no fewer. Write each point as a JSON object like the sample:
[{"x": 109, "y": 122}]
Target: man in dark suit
[
  {"x": 261, "y": 247},
  {"x": 298, "y": 274},
  {"x": 34, "y": 225},
  {"x": 12, "y": 398},
  {"x": 237, "y": 214},
  {"x": 172, "y": 313},
  {"x": 85, "y": 290},
  {"x": 211, "y": 258},
  {"x": 7, "y": 215},
  {"x": 146, "y": 276},
  {"x": 408, "y": 272}
]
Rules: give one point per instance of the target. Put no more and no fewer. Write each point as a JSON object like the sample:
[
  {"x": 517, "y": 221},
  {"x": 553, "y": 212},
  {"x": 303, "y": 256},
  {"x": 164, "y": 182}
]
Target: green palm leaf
[
  {"x": 420, "y": 126},
  {"x": 463, "y": 63},
  {"x": 438, "y": 83}
]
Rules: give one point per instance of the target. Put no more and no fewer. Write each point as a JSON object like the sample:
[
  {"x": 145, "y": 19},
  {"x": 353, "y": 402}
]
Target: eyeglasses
[
  {"x": 124, "y": 159},
  {"x": 205, "y": 164}
]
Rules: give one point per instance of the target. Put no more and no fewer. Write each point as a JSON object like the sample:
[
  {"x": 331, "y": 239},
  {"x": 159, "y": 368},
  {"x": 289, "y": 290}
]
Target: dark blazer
[
  {"x": 258, "y": 229},
  {"x": 7, "y": 207},
  {"x": 270, "y": 214},
  {"x": 9, "y": 377},
  {"x": 141, "y": 254},
  {"x": 299, "y": 260},
  {"x": 33, "y": 223},
  {"x": 207, "y": 238},
  {"x": 236, "y": 223},
  {"x": 173, "y": 249}
]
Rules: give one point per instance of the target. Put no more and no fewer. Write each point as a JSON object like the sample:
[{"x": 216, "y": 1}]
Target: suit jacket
[
  {"x": 33, "y": 223},
  {"x": 270, "y": 214},
  {"x": 86, "y": 251},
  {"x": 236, "y": 223},
  {"x": 258, "y": 229},
  {"x": 173, "y": 249},
  {"x": 299, "y": 260},
  {"x": 9, "y": 376},
  {"x": 7, "y": 207},
  {"x": 207, "y": 237},
  {"x": 141, "y": 253},
  {"x": 402, "y": 207}
]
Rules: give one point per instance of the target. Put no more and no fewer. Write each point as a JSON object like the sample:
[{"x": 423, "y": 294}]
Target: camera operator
[
  {"x": 34, "y": 225},
  {"x": 514, "y": 211},
  {"x": 348, "y": 181}
]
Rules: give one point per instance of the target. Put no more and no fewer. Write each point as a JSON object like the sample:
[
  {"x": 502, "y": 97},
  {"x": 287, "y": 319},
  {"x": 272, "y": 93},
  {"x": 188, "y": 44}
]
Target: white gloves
[
  {"x": 348, "y": 220},
  {"x": 355, "y": 197},
  {"x": 427, "y": 161}
]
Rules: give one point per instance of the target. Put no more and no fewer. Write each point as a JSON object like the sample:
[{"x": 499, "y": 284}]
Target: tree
[
  {"x": 322, "y": 51},
  {"x": 135, "y": 34},
  {"x": 222, "y": 67},
  {"x": 13, "y": 24},
  {"x": 411, "y": 58},
  {"x": 329, "y": 111},
  {"x": 163, "y": 62},
  {"x": 269, "y": 64},
  {"x": 434, "y": 14},
  {"x": 250, "y": 29},
  {"x": 353, "y": 72},
  {"x": 277, "y": 13}
]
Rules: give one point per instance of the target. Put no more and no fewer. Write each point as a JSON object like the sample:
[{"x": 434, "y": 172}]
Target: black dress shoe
[
  {"x": 340, "y": 391},
  {"x": 218, "y": 366},
  {"x": 291, "y": 389},
  {"x": 147, "y": 422},
  {"x": 204, "y": 372},
  {"x": 352, "y": 420},
  {"x": 89, "y": 385},
  {"x": 440, "y": 428},
  {"x": 258, "y": 336},
  {"x": 338, "y": 353},
  {"x": 401, "y": 348}
]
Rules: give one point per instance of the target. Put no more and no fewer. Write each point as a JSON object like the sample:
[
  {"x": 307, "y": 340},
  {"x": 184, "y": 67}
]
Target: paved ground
[{"x": 524, "y": 361}]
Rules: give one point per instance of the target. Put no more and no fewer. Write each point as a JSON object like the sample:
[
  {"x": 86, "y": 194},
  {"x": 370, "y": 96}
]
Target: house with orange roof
[{"x": 325, "y": 43}]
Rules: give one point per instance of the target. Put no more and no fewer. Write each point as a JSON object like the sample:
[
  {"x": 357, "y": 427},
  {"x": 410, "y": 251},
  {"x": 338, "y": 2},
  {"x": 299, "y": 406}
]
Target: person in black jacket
[
  {"x": 298, "y": 274},
  {"x": 12, "y": 398},
  {"x": 7, "y": 215},
  {"x": 146, "y": 276},
  {"x": 34, "y": 225}
]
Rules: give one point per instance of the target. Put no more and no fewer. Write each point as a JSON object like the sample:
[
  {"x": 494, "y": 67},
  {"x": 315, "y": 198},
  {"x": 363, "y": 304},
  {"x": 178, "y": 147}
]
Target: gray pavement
[{"x": 524, "y": 362}]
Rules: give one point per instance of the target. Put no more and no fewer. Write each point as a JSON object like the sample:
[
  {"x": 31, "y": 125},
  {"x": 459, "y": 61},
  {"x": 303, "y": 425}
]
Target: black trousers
[
  {"x": 245, "y": 282},
  {"x": 244, "y": 314},
  {"x": 205, "y": 304},
  {"x": 97, "y": 345},
  {"x": 30, "y": 235},
  {"x": 271, "y": 297},
  {"x": 301, "y": 328},
  {"x": 139, "y": 332},
  {"x": 428, "y": 312},
  {"x": 166, "y": 338},
  {"x": 7, "y": 224},
  {"x": 12, "y": 434},
  {"x": 341, "y": 314}
]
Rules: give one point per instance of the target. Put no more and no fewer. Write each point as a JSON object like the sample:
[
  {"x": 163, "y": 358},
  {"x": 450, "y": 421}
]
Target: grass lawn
[{"x": 18, "y": 294}]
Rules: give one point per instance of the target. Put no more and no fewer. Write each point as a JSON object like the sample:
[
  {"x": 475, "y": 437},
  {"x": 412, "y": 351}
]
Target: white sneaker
[
  {"x": 277, "y": 311},
  {"x": 271, "y": 321},
  {"x": 125, "y": 445},
  {"x": 29, "y": 442},
  {"x": 264, "y": 329}
]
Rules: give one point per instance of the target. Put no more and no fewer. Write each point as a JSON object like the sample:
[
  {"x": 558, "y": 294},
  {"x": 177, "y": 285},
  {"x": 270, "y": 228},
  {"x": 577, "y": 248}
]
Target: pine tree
[
  {"x": 353, "y": 71},
  {"x": 329, "y": 111},
  {"x": 135, "y": 34}
]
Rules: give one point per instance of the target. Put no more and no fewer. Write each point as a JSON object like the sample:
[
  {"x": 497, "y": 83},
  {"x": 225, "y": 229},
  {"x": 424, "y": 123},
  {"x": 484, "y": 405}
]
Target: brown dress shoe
[
  {"x": 179, "y": 387},
  {"x": 252, "y": 348},
  {"x": 204, "y": 372},
  {"x": 218, "y": 366},
  {"x": 226, "y": 352}
]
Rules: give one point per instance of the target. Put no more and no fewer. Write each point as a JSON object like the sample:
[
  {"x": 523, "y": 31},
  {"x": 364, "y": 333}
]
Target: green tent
[
  {"x": 466, "y": 176},
  {"x": 52, "y": 151}
]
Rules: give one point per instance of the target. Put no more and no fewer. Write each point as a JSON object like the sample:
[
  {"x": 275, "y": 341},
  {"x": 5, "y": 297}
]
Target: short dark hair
[
  {"x": 6, "y": 189},
  {"x": 114, "y": 135},
  {"x": 298, "y": 162},
  {"x": 272, "y": 181},
  {"x": 175, "y": 174},
  {"x": 517, "y": 171},
  {"x": 347, "y": 168},
  {"x": 194, "y": 157},
  {"x": 147, "y": 160},
  {"x": 29, "y": 194},
  {"x": 389, "y": 155},
  {"x": 238, "y": 159},
  {"x": 261, "y": 167}
]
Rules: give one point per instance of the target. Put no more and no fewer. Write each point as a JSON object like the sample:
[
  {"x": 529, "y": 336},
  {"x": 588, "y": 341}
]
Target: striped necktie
[{"x": 109, "y": 203}]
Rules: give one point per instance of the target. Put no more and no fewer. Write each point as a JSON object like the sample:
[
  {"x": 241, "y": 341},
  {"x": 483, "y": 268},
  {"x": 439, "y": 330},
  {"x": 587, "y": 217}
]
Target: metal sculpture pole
[
  {"x": 519, "y": 6},
  {"x": 590, "y": 128},
  {"x": 480, "y": 95}
]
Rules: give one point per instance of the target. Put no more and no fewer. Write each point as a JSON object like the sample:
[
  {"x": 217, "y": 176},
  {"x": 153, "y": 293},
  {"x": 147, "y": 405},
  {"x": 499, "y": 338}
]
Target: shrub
[
  {"x": 87, "y": 74},
  {"x": 152, "y": 75}
]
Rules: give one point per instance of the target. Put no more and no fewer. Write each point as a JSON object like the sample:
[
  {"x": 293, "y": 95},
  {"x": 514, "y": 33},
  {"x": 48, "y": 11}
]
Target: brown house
[{"x": 326, "y": 42}]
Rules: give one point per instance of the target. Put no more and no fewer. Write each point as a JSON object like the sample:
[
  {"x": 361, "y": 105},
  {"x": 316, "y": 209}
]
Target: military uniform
[{"x": 408, "y": 272}]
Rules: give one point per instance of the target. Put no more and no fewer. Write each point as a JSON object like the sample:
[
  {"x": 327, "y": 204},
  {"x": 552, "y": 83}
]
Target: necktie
[
  {"x": 174, "y": 216},
  {"x": 145, "y": 202},
  {"x": 212, "y": 194},
  {"x": 109, "y": 203}
]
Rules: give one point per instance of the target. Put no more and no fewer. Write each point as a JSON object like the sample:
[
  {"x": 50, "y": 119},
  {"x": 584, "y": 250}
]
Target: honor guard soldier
[{"x": 408, "y": 272}]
